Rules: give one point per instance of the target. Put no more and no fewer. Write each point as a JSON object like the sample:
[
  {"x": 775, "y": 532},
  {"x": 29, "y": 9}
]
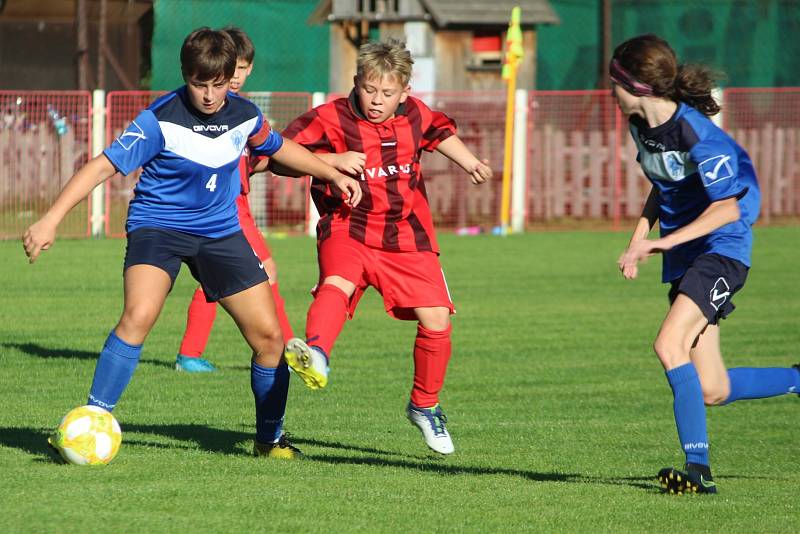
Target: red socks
[
  {"x": 199, "y": 321},
  {"x": 283, "y": 320},
  {"x": 432, "y": 350},
  {"x": 326, "y": 317}
]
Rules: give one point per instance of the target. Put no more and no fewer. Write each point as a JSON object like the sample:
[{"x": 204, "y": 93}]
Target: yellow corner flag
[{"x": 514, "y": 51}]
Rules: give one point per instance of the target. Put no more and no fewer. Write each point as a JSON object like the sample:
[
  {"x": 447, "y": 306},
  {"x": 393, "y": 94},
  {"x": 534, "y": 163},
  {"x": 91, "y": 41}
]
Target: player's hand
[
  {"x": 637, "y": 251},
  {"x": 350, "y": 187},
  {"x": 481, "y": 172},
  {"x": 350, "y": 162},
  {"x": 38, "y": 237}
]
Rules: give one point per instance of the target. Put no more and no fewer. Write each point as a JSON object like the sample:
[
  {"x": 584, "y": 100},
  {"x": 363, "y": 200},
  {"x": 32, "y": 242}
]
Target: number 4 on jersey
[{"x": 211, "y": 184}]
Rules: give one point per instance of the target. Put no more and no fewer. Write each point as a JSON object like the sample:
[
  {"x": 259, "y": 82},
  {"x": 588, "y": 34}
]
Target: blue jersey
[
  {"x": 692, "y": 163},
  {"x": 189, "y": 161}
]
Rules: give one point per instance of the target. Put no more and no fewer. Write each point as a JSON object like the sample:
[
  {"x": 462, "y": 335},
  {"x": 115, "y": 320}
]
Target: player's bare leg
[
  {"x": 145, "y": 290},
  {"x": 432, "y": 349},
  {"x": 254, "y": 313},
  {"x": 674, "y": 343}
]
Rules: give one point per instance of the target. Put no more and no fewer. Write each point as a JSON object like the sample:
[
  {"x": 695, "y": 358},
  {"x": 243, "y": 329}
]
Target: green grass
[{"x": 559, "y": 410}]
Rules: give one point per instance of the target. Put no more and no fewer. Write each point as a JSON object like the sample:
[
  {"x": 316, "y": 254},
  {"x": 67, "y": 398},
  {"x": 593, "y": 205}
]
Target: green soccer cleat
[
  {"x": 309, "y": 363},
  {"x": 280, "y": 449},
  {"x": 695, "y": 479}
]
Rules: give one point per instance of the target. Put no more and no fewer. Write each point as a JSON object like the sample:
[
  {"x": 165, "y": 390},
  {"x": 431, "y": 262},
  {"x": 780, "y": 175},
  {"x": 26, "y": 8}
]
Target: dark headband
[{"x": 623, "y": 78}]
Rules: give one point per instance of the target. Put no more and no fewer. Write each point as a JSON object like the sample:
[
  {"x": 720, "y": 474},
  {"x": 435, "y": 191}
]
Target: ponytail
[{"x": 693, "y": 85}]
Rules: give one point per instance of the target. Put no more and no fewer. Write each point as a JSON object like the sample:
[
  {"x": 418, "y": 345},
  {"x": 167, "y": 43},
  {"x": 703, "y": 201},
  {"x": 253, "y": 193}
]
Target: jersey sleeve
[
  {"x": 139, "y": 143},
  {"x": 309, "y": 130},
  {"x": 264, "y": 141},
  {"x": 440, "y": 128},
  {"x": 718, "y": 166}
]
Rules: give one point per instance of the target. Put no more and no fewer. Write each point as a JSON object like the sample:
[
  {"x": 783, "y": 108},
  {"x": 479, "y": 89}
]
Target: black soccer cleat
[
  {"x": 695, "y": 479},
  {"x": 796, "y": 366}
]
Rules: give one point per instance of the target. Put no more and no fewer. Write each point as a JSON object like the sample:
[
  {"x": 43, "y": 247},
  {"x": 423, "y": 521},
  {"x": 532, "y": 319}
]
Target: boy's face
[
  {"x": 207, "y": 96},
  {"x": 379, "y": 96},
  {"x": 243, "y": 70}
]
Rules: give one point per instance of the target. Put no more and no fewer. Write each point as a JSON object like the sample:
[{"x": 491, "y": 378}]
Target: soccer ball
[{"x": 88, "y": 435}]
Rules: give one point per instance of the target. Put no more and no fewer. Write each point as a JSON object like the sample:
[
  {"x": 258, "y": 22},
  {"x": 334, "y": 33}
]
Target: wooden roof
[
  {"x": 443, "y": 13},
  {"x": 488, "y": 12}
]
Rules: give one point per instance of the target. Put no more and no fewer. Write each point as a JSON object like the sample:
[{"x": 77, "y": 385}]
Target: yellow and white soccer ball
[{"x": 88, "y": 435}]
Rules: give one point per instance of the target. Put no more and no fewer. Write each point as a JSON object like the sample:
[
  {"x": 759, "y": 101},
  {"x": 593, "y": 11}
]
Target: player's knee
[
  {"x": 136, "y": 321},
  {"x": 437, "y": 322},
  {"x": 716, "y": 393},
  {"x": 267, "y": 345},
  {"x": 671, "y": 352}
]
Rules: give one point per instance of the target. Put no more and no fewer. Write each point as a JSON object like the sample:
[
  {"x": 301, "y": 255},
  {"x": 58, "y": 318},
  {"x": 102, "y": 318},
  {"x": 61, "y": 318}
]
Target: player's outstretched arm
[
  {"x": 41, "y": 234},
  {"x": 630, "y": 270},
  {"x": 297, "y": 158},
  {"x": 456, "y": 150}
]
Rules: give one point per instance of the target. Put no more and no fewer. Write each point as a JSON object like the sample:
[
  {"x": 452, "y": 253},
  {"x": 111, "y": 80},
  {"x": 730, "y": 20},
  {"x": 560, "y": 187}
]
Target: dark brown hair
[
  {"x": 208, "y": 55},
  {"x": 244, "y": 46},
  {"x": 651, "y": 60}
]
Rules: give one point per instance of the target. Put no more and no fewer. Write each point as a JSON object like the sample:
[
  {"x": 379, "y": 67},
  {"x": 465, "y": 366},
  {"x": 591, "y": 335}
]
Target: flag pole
[{"x": 514, "y": 52}]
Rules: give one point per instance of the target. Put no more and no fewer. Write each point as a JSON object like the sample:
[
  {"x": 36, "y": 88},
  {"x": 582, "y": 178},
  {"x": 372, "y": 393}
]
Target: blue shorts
[
  {"x": 710, "y": 282},
  {"x": 224, "y": 266}
]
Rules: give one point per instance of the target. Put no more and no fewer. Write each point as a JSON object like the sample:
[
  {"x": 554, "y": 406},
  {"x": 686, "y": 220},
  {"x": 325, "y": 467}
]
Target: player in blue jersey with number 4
[
  {"x": 705, "y": 197},
  {"x": 188, "y": 144}
]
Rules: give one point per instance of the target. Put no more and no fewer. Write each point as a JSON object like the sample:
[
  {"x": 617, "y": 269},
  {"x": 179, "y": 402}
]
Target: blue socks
[
  {"x": 690, "y": 412},
  {"x": 762, "y": 382},
  {"x": 113, "y": 371},
  {"x": 270, "y": 387}
]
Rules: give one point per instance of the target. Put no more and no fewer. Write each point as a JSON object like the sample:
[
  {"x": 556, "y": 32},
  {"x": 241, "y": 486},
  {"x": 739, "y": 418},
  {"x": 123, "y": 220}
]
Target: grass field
[{"x": 559, "y": 410}]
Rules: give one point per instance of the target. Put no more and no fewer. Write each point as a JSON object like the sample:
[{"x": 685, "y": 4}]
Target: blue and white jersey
[
  {"x": 693, "y": 163},
  {"x": 189, "y": 161}
]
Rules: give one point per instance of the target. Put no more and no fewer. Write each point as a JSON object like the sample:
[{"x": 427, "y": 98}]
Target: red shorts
[
  {"x": 250, "y": 229},
  {"x": 406, "y": 280}
]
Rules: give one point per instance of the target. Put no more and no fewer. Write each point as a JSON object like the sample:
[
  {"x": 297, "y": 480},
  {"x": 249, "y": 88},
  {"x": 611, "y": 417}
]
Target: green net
[
  {"x": 290, "y": 54},
  {"x": 755, "y": 43}
]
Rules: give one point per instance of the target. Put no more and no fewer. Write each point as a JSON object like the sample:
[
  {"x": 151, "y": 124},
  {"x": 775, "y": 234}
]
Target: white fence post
[
  {"x": 519, "y": 162},
  {"x": 97, "y": 202},
  {"x": 317, "y": 99}
]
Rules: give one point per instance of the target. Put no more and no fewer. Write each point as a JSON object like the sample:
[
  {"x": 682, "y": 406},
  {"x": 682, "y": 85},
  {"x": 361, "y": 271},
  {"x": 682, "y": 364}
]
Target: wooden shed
[{"x": 457, "y": 45}]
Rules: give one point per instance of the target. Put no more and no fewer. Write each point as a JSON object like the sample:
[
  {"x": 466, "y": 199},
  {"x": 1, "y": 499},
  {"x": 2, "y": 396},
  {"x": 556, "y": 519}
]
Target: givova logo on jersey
[{"x": 132, "y": 135}]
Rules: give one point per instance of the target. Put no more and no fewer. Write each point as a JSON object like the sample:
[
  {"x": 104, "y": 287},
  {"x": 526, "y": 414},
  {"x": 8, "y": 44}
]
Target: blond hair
[{"x": 384, "y": 58}]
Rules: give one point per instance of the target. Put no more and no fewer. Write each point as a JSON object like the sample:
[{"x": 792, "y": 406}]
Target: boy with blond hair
[{"x": 377, "y": 135}]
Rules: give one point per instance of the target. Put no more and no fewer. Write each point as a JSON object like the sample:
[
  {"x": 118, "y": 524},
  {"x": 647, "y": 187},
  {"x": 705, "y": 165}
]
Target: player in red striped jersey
[
  {"x": 201, "y": 313},
  {"x": 377, "y": 134}
]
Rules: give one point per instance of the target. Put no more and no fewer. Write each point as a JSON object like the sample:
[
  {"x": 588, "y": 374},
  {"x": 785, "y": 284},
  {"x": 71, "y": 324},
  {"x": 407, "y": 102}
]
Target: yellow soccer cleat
[
  {"x": 280, "y": 449},
  {"x": 309, "y": 363}
]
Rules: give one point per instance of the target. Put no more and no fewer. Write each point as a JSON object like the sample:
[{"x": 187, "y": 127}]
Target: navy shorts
[
  {"x": 224, "y": 266},
  {"x": 711, "y": 282}
]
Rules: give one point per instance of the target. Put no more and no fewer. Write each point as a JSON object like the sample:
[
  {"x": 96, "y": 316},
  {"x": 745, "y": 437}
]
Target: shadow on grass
[
  {"x": 34, "y": 442},
  {"x": 33, "y": 349},
  {"x": 30, "y": 440}
]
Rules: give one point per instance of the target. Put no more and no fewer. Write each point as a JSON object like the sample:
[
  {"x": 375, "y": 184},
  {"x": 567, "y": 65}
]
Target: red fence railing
[
  {"x": 45, "y": 136},
  {"x": 581, "y": 162}
]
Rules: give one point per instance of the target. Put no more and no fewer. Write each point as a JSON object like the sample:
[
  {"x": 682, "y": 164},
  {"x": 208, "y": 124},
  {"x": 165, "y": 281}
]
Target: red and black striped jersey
[
  {"x": 393, "y": 214},
  {"x": 247, "y": 163}
]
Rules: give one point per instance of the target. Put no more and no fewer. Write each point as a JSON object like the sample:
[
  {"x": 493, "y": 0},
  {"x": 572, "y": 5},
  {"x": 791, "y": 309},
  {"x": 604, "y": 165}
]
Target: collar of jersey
[{"x": 644, "y": 128}]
